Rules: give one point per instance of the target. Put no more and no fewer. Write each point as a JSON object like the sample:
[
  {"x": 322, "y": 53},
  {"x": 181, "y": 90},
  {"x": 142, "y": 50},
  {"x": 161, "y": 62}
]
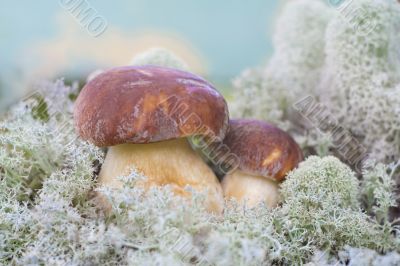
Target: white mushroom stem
[
  {"x": 250, "y": 190},
  {"x": 171, "y": 163}
]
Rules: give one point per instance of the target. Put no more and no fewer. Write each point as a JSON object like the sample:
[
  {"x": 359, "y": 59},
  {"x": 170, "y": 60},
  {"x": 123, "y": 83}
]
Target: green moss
[{"x": 39, "y": 110}]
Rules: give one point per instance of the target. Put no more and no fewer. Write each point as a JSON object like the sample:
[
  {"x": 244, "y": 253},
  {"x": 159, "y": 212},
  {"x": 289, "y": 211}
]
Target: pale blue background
[{"x": 231, "y": 35}]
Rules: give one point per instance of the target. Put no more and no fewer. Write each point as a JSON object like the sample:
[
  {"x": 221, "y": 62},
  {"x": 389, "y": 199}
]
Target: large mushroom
[
  {"x": 265, "y": 154},
  {"x": 144, "y": 115}
]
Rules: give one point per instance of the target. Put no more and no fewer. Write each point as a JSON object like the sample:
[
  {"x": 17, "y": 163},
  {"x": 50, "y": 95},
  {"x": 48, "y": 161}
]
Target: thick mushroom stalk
[
  {"x": 250, "y": 189},
  {"x": 265, "y": 154},
  {"x": 144, "y": 115},
  {"x": 169, "y": 163}
]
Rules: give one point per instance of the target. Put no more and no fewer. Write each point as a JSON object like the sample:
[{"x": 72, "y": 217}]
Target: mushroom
[
  {"x": 265, "y": 155},
  {"x": 144, "y": 115}
]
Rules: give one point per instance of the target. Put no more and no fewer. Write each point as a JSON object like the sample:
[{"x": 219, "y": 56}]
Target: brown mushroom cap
[
  {"x": 143, "y": 104},
  {"x": 262, "y": 148}
]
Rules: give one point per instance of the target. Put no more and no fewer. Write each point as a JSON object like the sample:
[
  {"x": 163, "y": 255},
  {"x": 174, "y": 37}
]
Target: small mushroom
[
  {"x": 265, "y": 155},
  {"x": 144, "y": 115}
]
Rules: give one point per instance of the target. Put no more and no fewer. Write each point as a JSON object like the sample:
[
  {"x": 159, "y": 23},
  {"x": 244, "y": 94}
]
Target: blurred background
[{"x": 72, "y": 38}]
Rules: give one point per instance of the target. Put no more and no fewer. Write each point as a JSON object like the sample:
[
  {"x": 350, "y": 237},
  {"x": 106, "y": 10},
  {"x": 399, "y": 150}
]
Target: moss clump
[
  {"x": 322, "y": 182},
  {"x": 320, "y": 208}
]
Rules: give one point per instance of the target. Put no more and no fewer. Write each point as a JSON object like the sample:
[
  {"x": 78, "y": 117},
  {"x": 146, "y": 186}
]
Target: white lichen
[
  {"x": 160, "y": 57},
  {"x": 49, "y": 212},
  {"x": 321, "y": 210},
  {"x": 361, "y": 81}
]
